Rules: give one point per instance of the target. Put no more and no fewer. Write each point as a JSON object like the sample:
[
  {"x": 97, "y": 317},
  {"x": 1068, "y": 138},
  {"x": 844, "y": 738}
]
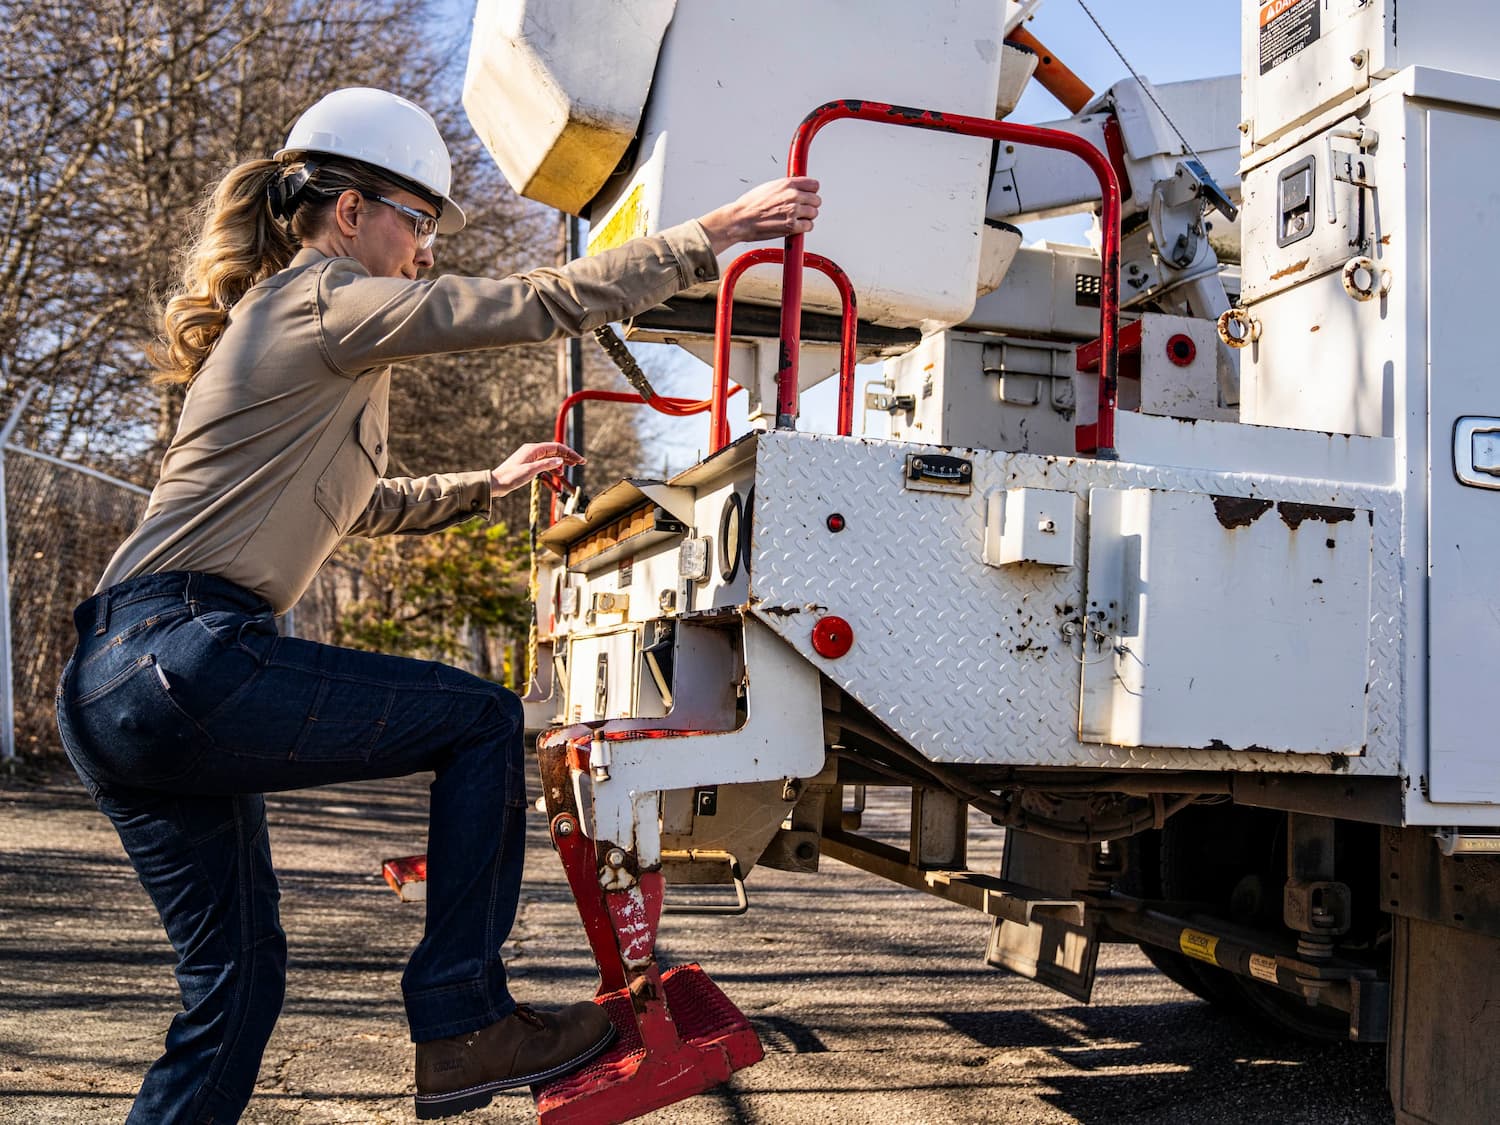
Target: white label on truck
[
  {"x": 1286, "y": 28},
  {"x": 1263, "y": 967}
]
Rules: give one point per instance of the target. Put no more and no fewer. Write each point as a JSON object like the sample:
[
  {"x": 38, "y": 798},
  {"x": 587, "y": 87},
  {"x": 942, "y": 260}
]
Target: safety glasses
[{"x": 423, "y": 225}]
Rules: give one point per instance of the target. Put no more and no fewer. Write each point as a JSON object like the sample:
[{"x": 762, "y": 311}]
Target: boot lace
[{"x": 529, "y": 1015}]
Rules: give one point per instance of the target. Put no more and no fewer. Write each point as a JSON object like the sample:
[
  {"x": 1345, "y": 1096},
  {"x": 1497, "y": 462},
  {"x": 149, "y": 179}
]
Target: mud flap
[{"x": 1049, "y": 949}]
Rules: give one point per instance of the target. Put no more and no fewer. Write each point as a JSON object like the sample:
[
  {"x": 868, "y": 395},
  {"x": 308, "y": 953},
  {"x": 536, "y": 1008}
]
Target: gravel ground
[{"x": 873, "y": 1002}]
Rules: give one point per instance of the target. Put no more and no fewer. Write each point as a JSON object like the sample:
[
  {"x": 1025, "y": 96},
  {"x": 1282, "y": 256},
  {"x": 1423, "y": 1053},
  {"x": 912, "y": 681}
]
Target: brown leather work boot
[{"x": 465, "y": 1071}]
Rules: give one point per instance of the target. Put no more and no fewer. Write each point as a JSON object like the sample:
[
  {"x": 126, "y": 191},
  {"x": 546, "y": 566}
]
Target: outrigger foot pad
[{"x": 714, "y": 1040}]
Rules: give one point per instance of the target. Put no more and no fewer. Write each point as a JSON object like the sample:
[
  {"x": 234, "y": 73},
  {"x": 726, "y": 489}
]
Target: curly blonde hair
[{"x": 240, "y": 244}]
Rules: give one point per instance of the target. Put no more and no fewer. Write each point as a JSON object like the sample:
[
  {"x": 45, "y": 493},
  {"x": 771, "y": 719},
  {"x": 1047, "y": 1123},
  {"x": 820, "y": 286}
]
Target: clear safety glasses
[{"x": 423, "y": 225}]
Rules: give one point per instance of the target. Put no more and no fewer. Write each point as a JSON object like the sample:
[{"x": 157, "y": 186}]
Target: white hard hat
[{"x": 385, "y": 131}]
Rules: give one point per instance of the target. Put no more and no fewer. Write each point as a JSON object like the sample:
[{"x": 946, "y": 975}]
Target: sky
[{"x": 1165, "y": 40}]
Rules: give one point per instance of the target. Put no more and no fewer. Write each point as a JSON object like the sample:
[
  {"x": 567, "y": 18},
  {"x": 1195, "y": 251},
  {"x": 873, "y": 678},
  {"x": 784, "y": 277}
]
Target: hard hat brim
[{"x": 451, "y": 221}]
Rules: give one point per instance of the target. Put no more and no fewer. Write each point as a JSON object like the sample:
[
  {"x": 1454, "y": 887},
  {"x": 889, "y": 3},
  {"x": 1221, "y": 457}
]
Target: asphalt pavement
[{"x": 873, "y": 1002}]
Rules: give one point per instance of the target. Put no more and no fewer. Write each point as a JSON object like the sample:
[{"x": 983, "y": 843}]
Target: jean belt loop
[
  {"x": 190, "y": 591},
  {"x": 101, "y": 613}
]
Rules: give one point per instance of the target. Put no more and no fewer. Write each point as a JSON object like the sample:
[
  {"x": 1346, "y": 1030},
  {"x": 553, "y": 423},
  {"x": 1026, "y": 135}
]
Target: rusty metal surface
[{"x": 971, "y": 663}]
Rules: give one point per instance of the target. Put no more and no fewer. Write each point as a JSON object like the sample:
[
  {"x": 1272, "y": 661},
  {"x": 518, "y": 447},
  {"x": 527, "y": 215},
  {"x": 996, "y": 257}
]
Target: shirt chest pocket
[{"x": 348, "y": 482}]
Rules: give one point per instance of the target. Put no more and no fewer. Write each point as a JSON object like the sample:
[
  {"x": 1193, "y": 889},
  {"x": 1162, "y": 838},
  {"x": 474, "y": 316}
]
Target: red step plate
[{"x": 628, "y": 1081}]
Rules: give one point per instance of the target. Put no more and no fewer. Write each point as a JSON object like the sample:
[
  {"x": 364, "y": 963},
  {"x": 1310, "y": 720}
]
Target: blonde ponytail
[{"x": 240, "y": 245}]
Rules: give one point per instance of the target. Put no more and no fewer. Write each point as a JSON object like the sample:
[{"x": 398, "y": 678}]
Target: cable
[
  {"x": 615, "y": 348},
  {"x": 1141, "y": 81}
]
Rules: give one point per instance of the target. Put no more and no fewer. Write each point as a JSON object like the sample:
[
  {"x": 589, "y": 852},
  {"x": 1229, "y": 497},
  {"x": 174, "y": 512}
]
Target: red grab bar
[
  {"x": 723, "y": 318},
  {"x": 1100, "y": 438},
  {"x": 676, "y": 407}
]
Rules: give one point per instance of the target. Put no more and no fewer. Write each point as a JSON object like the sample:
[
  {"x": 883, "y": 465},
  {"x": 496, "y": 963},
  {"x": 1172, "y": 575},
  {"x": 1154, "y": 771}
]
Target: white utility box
[
  {"x": 1299, "y": 57},
  {"x": 982, "y": 391},
  {"x": 1029, "y": 525}
]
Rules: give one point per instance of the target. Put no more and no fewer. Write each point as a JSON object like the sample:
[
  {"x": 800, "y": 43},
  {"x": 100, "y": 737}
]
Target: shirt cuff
[{"x": 695, "y": 255}]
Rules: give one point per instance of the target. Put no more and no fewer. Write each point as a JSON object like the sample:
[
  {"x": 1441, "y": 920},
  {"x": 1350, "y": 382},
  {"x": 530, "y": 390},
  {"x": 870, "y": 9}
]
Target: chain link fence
[{"x": 61, "y": 523}]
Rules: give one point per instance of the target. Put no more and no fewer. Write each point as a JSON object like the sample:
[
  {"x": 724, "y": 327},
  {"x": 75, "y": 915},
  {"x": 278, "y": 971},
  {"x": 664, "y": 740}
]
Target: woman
[{"x": 182, "y": 705}]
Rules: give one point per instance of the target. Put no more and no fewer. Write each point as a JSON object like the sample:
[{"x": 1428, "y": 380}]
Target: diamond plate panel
[{"x": 968, "y": 662}]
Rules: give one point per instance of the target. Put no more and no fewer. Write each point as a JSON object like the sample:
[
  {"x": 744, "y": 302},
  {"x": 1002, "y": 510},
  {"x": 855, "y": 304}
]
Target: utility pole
[{"x": 570, "y": 352}]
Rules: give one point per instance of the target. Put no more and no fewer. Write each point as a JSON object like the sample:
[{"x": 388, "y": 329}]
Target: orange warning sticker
[{"x": 1287, "y": 27}]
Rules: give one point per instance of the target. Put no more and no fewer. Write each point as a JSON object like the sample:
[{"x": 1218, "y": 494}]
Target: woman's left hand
[{"x": 531, "y": 461}]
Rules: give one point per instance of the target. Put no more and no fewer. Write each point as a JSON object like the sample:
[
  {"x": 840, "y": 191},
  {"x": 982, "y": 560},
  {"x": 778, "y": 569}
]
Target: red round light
[
  {"x": 1181, "y": 350},
  {"x": 836, "y": 522},
  {"x": 832, "y": 637}
]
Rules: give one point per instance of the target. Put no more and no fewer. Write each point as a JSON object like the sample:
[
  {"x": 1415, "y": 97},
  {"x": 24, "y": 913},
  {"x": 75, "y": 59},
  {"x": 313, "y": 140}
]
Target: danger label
[{"x": 1287, "y": 27}]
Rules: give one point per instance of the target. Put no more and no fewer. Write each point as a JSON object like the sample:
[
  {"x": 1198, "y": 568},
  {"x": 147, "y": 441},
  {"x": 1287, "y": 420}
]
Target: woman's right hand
[
  {"x": 772, "y": 210},
  {"x": 531, "y": 460}
]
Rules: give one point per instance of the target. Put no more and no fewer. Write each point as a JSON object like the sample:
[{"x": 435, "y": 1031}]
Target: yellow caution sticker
[
  {"x": 627, "y": 222},
  {"x": 1263, "y": 967},
  {"x": 1199, "y": 945}
]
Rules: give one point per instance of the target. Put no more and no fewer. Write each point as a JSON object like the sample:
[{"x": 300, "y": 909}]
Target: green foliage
[{"x": 425, "y": 595}]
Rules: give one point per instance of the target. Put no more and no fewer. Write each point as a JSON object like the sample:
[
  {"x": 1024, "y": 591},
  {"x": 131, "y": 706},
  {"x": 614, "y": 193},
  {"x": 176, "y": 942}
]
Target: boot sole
[{"x": 432, "y": 1106}]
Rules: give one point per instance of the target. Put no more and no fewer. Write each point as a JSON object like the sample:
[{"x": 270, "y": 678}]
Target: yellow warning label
[
  {"x": 1199, "y": 945},
  {"x": 628, "y": 221},
  {"x": 1263, "y": 967}
]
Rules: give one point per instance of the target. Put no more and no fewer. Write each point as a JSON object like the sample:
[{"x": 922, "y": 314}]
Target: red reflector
[
  {"x": 835, "y": 522},
  {"x": 1181, "y": 350},
  {"x": 832, "y": 637}
]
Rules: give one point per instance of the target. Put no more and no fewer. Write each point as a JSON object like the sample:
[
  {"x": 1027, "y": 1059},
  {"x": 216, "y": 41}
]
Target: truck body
[{"x": 1219, "y": 679}]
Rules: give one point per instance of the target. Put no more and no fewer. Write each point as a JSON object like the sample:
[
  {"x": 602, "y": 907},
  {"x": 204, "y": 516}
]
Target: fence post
[{"x": 7, "y": 684}]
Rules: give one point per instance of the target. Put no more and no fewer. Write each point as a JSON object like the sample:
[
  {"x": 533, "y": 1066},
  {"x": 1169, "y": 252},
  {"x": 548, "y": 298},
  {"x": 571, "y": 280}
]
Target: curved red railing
[
  {"x": 723, "y": 321},
  {"x": 1100, "y": 438},
  {"x": 664, "y": 404}
]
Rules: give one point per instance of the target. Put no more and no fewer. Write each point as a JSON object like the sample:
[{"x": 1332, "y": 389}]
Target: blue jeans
[{"x": 180, "y": 707}]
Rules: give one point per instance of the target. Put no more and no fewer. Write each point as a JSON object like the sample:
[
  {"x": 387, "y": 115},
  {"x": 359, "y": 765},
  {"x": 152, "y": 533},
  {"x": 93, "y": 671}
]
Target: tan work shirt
[{"x": 281, "y": 448}]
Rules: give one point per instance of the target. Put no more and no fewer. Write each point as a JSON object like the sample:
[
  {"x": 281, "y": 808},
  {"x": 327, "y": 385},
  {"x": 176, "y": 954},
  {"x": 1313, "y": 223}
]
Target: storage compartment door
[
  {"x": 1225, "y": 623},
  {"x": 1463, "y": 635}
]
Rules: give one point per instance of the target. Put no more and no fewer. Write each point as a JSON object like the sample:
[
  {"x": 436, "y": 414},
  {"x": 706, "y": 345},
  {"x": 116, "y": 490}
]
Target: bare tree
[{"x": 116, "y": 118}]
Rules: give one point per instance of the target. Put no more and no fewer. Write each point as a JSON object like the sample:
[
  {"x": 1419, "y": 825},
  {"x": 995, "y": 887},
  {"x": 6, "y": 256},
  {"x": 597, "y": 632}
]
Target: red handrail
[
  {"x": 1100, "y": 438},
  {"x": 676, "y": 407},
  {"x": 664, "y": 404},
  {"x": 723, "y": 319}
]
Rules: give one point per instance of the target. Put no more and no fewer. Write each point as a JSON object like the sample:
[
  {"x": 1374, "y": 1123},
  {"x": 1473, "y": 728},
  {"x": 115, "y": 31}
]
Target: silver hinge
[{"x": 1451, "y": 841}]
